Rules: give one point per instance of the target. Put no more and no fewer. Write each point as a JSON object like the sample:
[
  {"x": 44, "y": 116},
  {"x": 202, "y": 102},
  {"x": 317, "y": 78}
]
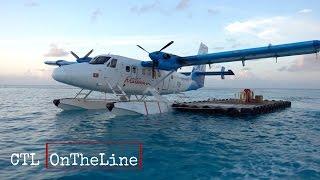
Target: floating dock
[{"x": 231, "y": 107}]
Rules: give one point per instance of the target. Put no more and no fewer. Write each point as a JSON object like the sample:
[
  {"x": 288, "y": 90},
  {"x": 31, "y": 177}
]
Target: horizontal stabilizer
[{"x": 214, "y": 73}]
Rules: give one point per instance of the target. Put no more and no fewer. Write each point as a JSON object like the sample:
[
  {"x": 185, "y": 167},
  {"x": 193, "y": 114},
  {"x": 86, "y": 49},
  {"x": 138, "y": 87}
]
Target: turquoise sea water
[{"x": 283, "y": 144}]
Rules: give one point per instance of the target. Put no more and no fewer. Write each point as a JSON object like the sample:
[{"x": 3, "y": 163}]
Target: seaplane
[{"x": 131, "y": 81}]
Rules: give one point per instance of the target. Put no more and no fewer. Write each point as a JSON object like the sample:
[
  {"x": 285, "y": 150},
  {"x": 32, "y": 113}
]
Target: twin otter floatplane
[{"x": 127, "y": 78}]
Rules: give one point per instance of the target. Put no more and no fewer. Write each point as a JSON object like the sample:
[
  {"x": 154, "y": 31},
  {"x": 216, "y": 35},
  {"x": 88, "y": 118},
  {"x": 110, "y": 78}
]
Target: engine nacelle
[{"x": 163, "y": 61}]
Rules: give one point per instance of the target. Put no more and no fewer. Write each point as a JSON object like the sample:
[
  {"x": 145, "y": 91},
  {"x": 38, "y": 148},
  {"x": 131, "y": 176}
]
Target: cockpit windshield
[{"x": 100, "y": 60}]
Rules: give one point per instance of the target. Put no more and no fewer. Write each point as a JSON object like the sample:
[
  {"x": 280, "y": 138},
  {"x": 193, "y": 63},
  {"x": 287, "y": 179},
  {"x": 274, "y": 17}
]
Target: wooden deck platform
[{"x": 231, "y": 107}]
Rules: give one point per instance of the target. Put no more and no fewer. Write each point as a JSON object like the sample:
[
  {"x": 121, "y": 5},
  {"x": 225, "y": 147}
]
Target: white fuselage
[{"x": 124, "y": 72}]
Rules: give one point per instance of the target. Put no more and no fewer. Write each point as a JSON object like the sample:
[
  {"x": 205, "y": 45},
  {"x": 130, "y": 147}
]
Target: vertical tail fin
[{"x": 199, "y": 79}]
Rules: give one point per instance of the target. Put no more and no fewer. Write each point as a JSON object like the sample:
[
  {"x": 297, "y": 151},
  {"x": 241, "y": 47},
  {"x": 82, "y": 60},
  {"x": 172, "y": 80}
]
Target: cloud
[
  {"x": 276, "y": 28},
  {"x": 304, "y": 63},
  {"x": 156, "y": 6},
  {"x": 189, "y": 15},
  {"x": 145, "y": 8},
  {"x": 30, "y": 76},
  {"x": 37, "y": 72},
  {"x": 213, "y": 11},
  {"x": 30, "y": 3},
  {"x": 56, "y": 52},
  {"x": 35, "y": 78},
  {"x": 236, "y": 45},
  {"x": 244, "y": 74},
  {"x": 218, "y": 48},
  {"x": 183, "y": 4},
  {"x": 95, "y": 14},
  {"x": 262, "y": 28},
  {"x": 231, "y": 39},
  {"x": 305, "y": 11}
]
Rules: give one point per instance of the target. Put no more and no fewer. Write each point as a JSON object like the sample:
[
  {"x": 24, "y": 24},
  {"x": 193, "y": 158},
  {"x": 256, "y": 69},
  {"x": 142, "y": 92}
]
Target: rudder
[{"x": 199, "y": 79}]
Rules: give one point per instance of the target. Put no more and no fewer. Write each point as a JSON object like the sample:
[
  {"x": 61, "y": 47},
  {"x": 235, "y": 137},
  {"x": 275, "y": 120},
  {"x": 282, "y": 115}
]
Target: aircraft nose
[{"x": 58, "y": 74}]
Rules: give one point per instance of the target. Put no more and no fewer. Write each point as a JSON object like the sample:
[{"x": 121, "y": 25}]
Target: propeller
[
  {"x": 155, "y": 62},
  {"x": 164, "y": 47},
  {"x": 88, "y": 54},
  {"x": 74, "y": 54},
  {"x": 143, "y": 49},
  {"x": 84, "y": 57}
]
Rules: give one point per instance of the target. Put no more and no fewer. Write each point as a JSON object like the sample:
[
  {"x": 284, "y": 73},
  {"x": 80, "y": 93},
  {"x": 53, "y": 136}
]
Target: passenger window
[
  {"x": 113, "y": 63},
  {"x": 128, "y": 68},
  {"x": 134, "y": 69}
]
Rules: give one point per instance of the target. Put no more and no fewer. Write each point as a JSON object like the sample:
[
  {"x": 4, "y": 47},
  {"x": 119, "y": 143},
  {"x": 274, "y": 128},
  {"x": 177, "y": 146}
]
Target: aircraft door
[
  {"x": 170, "y": 81},
  {"x": 134, "y": 71},
  {"x": 112, "y": 69},
  {"x": 166, "y": 83}
]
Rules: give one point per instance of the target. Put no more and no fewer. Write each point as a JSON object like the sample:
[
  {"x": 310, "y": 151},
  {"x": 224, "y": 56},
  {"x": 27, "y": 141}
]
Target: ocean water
[{"x": 283, "y": 144}]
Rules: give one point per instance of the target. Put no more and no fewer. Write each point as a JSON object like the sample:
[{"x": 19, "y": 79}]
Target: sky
[{"x": 33, "y": 31}]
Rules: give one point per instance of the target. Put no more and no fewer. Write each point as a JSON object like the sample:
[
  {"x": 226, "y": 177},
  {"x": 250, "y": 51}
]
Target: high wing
[
  {"x": 166, "y": 61},
  {"x": 59, "y": 63},
  {"x": 299, "y": 48}
]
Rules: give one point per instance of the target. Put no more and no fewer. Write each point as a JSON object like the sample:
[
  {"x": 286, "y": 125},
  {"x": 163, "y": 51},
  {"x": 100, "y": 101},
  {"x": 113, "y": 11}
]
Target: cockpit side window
[
  {"x": 113, "y": 63},
  {"x": 100, "y": 60}
]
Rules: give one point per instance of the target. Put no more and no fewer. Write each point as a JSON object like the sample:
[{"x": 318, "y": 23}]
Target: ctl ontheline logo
[{"x": 111, "y": 154}]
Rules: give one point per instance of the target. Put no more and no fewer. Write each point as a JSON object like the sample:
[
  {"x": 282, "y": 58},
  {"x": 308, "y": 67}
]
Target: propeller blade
[
  {"x": 74, "y": 54},
  {"x": 142, "y": 48},
  {"x": 88, "y": 54},
  {"x": 166, "y": 45}
]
